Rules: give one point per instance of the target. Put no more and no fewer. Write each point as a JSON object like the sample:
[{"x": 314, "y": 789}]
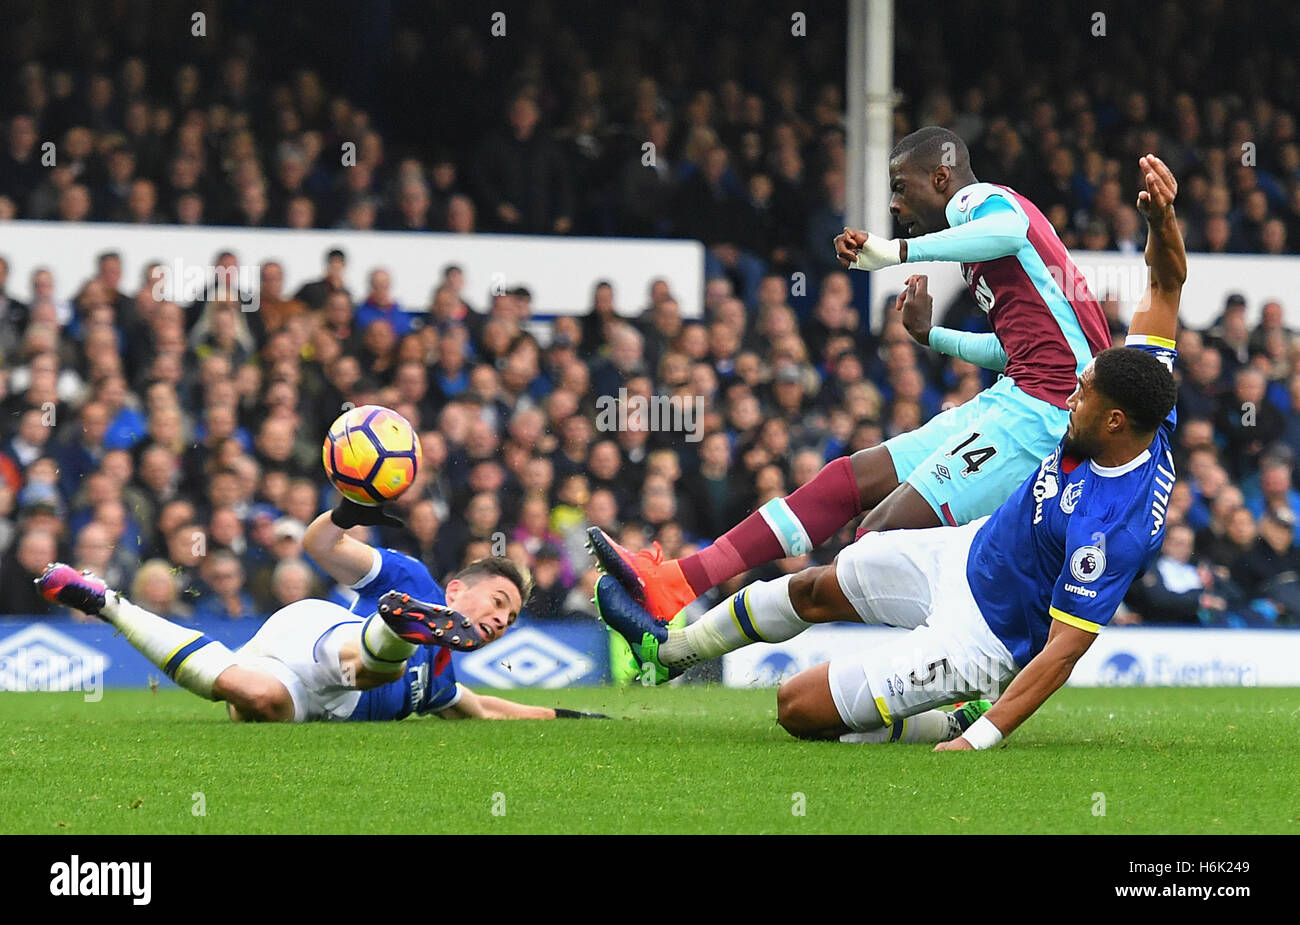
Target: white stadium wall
[
  {"x": 1211, "y": 278},
  {"x": 560, "y": 272},
  {"x": 1121, "y": 657}
]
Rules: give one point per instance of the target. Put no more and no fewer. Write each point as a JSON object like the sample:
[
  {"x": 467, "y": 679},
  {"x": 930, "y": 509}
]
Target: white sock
[
  {"x": 382, "y": 650},
  {"x": 761, "y": 612},
  {"x": 187, "y": 656},
  {"x": 932, "y": 726}
]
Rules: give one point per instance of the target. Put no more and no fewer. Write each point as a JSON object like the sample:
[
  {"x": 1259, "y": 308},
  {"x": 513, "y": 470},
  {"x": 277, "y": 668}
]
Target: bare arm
[
  {"x": 481, "y": 706},
  {"x": 1157, "y": 313},
  {"x": 1042, "y": 677},
  {"x": 347, "y": 560}
]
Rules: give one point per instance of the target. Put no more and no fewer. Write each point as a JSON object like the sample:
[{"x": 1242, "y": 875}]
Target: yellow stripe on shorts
[{"x": 884, "y": 711}]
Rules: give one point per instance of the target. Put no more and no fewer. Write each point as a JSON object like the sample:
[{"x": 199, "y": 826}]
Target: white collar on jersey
[{"x": 1111, "y": 472}]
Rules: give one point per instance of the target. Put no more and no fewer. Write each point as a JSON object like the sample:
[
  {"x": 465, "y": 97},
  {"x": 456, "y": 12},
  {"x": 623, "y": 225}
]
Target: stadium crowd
[
  {"x": 743, "y": 133},
  {"x": 175, "y": 449}
]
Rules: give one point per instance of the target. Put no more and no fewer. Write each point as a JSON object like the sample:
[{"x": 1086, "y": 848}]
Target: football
[{"x": 371, "y": 454}]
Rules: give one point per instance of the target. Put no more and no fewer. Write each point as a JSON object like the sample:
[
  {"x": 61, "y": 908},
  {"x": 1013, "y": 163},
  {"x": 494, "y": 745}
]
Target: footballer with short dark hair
[
  {"x": 387, "y": 657},
  {"x": 1001, "y": 608}
]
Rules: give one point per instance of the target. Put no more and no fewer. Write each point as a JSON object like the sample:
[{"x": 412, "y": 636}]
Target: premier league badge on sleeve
[{"x": 1088, "y": 563}]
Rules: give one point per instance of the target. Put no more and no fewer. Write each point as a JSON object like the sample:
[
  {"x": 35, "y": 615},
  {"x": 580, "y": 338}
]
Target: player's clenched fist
[
  {"x": 847, "y": 244},
  {"x": 858, "y": 250}
]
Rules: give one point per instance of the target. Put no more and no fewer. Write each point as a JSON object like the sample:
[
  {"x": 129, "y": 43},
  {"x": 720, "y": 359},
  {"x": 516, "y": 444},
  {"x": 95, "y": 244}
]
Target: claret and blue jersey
[
  {"x": 429, "y": 684},
  {"x": 1072, "y": 539},
  {"x": 1046, "y": 329},
  {"x": 1047, "y": 322}
]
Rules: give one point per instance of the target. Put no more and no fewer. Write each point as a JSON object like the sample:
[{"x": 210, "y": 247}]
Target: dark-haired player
[
  {"x": 371, "y": 571},
  {"x": 1004, "y": 605},
  {"x": 315, "y": 660},
  {"x": 964, "y": 462}
]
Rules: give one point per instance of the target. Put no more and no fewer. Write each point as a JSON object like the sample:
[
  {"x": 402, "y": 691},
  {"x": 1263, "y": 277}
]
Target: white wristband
[
  {"x": 878, "y": 253},
  {"x": 982, "y": 734}
]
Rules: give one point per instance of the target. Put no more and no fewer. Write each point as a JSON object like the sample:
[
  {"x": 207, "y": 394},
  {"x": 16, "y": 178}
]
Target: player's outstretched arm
[
  {"x": 995, "y": 228},
  {"x": 1157, "y": 313},
  {"x": 481, "y": 706},
  {"x": 1042, "y": 677},
  {"x": 345, "y": 559}
]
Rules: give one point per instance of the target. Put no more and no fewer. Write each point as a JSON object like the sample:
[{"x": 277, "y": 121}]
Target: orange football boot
[{"x": 656, "y": 583}]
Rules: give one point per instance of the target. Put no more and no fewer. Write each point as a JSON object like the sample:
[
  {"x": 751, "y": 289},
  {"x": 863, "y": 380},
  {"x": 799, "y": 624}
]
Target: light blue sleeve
[
  {"x": 995, "y": 228},
  {"x": 981, "y": 349}
]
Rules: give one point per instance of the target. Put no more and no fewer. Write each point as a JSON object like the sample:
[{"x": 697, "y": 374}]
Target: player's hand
[
  {"x": 847, "y": 244},
  {"x": 561, "y": 713},
  {"x": 917, "y": 307},
  {"x": 958, "y": 744},
  {"x": 348, "y": 513},
  {"x": 876, "y": 253},
  {"x": 1156, "y": 201}
]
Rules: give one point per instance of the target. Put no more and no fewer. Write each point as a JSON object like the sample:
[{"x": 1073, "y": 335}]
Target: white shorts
[
  {"x": 915, "y": 579},
  {"x": 299, "y": 646}
]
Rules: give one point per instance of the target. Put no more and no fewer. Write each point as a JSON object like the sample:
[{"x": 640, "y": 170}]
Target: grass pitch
[{"x": 674, "y": 760}]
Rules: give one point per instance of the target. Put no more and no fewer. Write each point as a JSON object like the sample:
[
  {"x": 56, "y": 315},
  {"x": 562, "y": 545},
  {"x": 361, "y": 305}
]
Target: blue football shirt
[
  {"x": 429, "y": 684},
  {"x": 1072, "y": 538},
  {"x": 394, "y": 571}
]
